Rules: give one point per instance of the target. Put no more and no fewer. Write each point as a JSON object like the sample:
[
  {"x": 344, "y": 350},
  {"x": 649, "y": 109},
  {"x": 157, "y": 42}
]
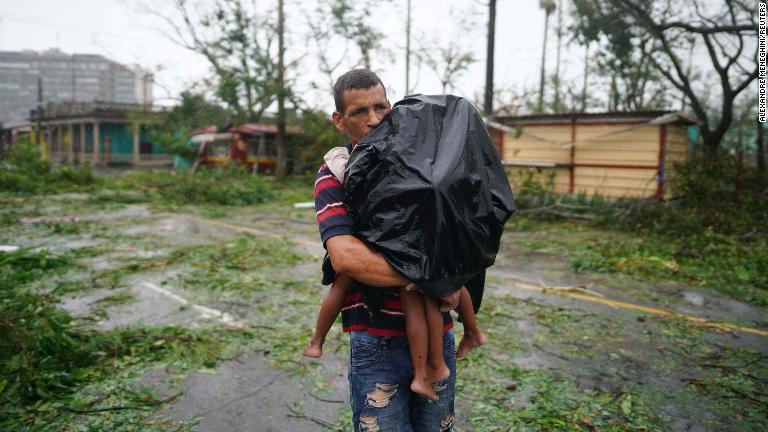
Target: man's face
[{"x": 363, "y": 111}]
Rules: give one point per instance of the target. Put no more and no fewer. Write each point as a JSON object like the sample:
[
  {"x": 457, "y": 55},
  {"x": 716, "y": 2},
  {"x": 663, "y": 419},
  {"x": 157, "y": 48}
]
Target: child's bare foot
[
  {"x": 423, "y": 387},
  {"x": 469, "y": 341},
  {"x": 439, "y": 373},
  {"x": 314, "y": 349}
]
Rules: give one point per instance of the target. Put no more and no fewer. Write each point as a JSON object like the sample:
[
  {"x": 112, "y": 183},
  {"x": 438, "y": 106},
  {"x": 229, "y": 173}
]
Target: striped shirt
[{"x": 333, "y": 219}]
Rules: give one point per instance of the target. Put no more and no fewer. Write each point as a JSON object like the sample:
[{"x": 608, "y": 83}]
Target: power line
[{"x": 38, "y": 22}]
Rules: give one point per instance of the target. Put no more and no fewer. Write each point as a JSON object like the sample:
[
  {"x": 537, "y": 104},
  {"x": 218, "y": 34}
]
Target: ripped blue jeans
[{"x": 380, "y": 374}]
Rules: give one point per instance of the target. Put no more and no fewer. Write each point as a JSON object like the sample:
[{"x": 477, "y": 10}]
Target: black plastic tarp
[{"x": 427, "y": 189}]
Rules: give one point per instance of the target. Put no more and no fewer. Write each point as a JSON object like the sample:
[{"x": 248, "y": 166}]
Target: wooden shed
[{"x": 614, "y": 154}]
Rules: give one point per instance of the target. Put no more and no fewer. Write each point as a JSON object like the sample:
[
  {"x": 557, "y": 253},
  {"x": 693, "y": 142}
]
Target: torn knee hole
[
  {"x": 369, "y": 424},
  {"x": 447, "y": 423},
  {"x": 380, "y": 397},
  {"x": 439, "y": 386}
]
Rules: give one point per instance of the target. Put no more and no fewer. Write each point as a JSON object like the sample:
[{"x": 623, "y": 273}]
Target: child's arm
[{"x": 329, "y": 310}]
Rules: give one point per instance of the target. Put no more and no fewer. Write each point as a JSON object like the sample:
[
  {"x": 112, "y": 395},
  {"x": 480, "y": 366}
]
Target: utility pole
[
  {"x": 559, "y": 48},
  {"x": 549, "y": 7},
  {"x": 39, "y": 113},
  {"x": 408, "y": 49},
  {"x": 488, "y": 105},
  {"x": 282, "y": 163},
  {"x": 73, "y": 68}
]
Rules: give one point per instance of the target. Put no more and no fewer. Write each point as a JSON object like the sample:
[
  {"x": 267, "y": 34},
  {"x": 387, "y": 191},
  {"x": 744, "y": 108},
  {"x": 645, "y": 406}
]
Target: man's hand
[{"x": 450, "y": 301}]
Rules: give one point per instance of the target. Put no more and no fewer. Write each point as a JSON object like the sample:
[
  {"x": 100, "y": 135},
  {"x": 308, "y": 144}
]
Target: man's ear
[{"x": 337, "y": 121}]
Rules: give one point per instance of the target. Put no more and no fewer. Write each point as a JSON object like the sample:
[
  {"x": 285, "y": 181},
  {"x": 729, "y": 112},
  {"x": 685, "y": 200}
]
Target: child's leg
[
  {"x": 438, "y": 369},
  {"x": 329, "y": 310},
  {"x": 412, "y": 303},
  {"x": 473, "y": 336}
]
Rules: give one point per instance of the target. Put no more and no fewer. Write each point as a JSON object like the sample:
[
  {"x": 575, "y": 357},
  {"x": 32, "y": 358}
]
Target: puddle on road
[{"x": 693, "y": 298}]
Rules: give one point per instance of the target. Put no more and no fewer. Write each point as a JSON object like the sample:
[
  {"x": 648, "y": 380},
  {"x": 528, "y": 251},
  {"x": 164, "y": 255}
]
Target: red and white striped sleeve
[{"x": 332, "y": 216}]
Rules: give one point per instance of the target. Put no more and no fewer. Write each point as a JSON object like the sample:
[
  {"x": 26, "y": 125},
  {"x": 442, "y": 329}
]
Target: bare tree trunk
[
  {"x": 613, "y": 94},
  {"x": 711, "y": 145},
  {"x": 586, "y": 73},
  {"x": 282, "y": 162}
]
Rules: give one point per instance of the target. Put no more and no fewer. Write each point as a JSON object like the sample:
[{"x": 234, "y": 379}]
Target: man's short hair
[{"x": 356, "y": 79}]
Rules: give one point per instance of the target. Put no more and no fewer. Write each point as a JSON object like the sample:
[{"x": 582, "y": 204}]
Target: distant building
[
  {"x": 66, "y": 77},
  {"x": 613, "y": 154},
  {"x": 100, "y": 133}
]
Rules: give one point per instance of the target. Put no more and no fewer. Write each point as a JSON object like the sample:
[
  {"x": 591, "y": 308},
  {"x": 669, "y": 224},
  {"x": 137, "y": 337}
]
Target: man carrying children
[{"x": 380, "y": 367}]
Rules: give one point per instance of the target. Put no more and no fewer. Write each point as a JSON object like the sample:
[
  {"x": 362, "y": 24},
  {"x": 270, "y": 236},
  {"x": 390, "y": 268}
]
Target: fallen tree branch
[
  {"x": 704, "y": 385},
  {"x": 19, "y": 341},
  {"x": 555, "y": 210},
  {"x": 300, "y": 414},
  {"x": 325, "y": 400},
  {"x": 553, "y": 354},
  {"x": 148, "y": 405},
  {"x": 106, "y": 409},
  {"x": 578, "y": 288}
]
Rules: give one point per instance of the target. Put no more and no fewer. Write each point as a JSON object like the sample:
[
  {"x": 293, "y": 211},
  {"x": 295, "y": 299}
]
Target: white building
[{"x": 66, "y": 77}]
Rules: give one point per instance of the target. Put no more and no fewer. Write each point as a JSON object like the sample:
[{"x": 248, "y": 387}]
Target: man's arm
[{"x": 353, "y": 258}]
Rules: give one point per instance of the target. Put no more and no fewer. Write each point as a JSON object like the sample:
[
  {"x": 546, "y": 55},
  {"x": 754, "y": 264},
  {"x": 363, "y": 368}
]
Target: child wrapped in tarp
[{"x": 426, "y": 189}]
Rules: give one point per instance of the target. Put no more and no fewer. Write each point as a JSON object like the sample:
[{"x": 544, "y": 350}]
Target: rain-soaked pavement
[{"x": 247, "y": 393}]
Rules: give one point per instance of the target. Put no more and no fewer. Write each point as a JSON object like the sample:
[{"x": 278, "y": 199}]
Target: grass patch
[
  {"x": 724, "y": 263},
  {"x": 737, "y": 269},
  {"x": 99, "y": 307},
  {"x": 507, "y": 397},
  {"x": 46, "y": 355},
  {"x": 75, "y": 227},
  {"x": 260, "y": 273},
  {"x": 223, "y": 187},
  {"x": 243, "y": 268},
  {"x": 731, "y": 381},
  {"x": 114, "y": 300},
  {"x": 713, "y": 234},
  {"x": 24, "y": 172},
  {"x": 570, "y": 370}
]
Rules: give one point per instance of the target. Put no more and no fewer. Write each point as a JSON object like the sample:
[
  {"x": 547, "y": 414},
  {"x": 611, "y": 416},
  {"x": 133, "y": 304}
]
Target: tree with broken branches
[
  {"x": 447, "y": 61},
  {"x": 352, "y": 21},
  {"x": 622, "y": 58},
  {"x": 664, "y": 30},
  {"x": 240, "y": 46},
  {"x": 330, "y": 54}
]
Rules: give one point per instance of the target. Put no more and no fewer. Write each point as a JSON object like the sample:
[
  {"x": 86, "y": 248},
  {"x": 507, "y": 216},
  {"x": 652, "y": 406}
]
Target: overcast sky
[{"x": 119, "y": 30}]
